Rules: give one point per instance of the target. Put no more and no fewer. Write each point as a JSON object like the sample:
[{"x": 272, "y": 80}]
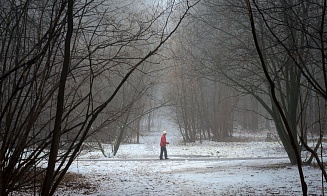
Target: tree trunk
[{"x": 60, "y": 105}]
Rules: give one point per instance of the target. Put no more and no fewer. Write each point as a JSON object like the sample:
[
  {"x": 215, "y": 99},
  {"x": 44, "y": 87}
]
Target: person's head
[{"x": 164, "y": 132}]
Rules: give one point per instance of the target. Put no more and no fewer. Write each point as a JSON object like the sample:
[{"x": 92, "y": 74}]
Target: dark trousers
[{"x": 163, "y": 151}]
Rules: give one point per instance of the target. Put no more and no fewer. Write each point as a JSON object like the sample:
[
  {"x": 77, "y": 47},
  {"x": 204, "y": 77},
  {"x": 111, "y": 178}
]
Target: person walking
[{"x": 163, "y": 144}]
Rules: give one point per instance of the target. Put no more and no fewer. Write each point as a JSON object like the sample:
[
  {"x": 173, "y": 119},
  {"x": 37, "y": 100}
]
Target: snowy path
[{"x": 186, "y": 158}]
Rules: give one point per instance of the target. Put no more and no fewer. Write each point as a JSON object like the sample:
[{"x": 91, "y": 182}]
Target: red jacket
[{"x": 163, "y": 141}]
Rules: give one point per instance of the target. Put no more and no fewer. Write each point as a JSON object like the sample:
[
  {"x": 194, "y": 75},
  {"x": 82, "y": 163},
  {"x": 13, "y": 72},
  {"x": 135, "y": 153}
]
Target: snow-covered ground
[{"x": 207, "y": 168}]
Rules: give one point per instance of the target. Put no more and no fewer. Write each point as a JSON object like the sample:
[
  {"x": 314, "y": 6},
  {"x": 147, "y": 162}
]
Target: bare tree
[
  {"x": 55, "y": 56},
  {"x": 313, "y": 71},
  {"x": 279, "y": 108}
]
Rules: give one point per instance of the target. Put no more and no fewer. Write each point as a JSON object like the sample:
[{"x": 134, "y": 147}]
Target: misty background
[{"x": 75, "y": 72}]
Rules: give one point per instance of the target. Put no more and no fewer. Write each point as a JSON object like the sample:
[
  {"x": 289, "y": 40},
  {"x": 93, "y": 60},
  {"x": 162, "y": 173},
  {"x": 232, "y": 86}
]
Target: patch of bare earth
[
  {"x": 76, "y": 183},
  {"x": 71, "y": 183}
]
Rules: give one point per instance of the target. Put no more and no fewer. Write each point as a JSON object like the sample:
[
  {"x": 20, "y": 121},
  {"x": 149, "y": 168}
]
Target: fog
[{"x": 106, "y": 72}]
